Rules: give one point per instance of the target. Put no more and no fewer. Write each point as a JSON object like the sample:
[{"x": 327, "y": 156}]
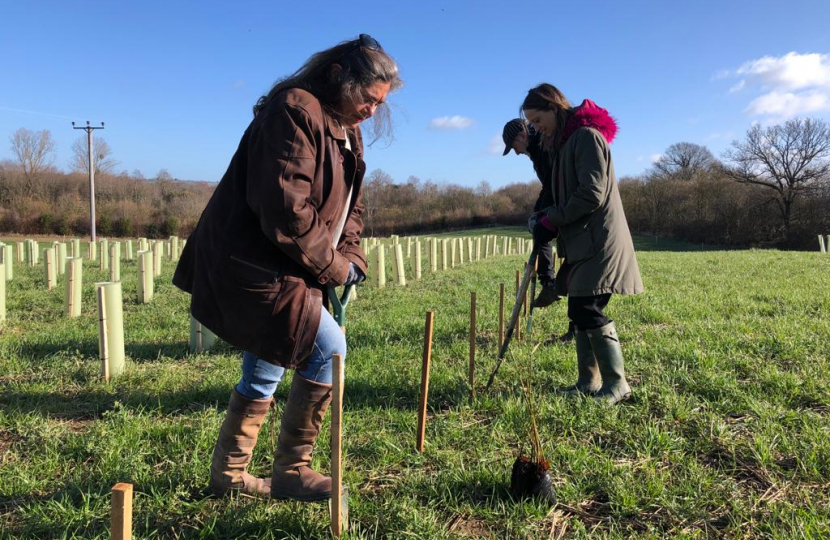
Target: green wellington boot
[
  {"x": 588, "y": 380},
  {"x": 606, "y": 346}
]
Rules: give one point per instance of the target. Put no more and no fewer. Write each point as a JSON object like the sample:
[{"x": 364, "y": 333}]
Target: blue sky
[{"x": 175, "y": 81}]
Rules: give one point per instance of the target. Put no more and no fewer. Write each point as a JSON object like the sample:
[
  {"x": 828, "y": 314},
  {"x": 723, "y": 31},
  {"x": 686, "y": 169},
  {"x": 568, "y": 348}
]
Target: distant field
[{"x": 727, "y": 434}]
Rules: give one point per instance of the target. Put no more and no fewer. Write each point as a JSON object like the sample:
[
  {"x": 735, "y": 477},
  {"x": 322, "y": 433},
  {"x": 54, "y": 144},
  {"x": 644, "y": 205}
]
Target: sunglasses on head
[{"x": 364, "y": 40}]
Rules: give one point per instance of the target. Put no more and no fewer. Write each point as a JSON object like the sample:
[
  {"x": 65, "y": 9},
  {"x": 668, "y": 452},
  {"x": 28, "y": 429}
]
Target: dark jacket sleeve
[
  {"x": 281, "y": 166},
  {"x": 591, "y": 155}
]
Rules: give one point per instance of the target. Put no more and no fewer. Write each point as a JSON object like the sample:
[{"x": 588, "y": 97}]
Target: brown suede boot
[
  {"x": 235, "y": 446},
  {"x": 293, "y": 478}
]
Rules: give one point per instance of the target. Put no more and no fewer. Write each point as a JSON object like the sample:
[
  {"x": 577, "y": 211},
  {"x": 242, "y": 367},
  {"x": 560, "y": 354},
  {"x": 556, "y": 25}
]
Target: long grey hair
[{"x": 360, "y": 67}]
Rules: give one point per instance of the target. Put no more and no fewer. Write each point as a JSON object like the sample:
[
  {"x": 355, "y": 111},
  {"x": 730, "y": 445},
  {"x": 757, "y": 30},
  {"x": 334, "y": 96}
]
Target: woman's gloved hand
[
  {"x": 531, "y": 222},
  {"x": 355, "y": 276},
  {"x": 544, "y": 231}
]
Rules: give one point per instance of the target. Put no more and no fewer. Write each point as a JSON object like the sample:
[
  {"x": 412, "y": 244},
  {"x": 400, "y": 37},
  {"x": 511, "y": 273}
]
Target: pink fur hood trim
[{"x": 589, "y": 114}]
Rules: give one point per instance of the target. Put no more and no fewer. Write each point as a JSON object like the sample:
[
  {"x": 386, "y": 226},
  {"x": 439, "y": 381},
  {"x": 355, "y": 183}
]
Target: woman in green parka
[{"x": 588, "y": 221}]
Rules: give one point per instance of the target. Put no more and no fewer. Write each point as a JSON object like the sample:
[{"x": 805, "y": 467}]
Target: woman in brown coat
[
  {"x": 283, "y": 224},
  {"x": 588, "y": 220}
]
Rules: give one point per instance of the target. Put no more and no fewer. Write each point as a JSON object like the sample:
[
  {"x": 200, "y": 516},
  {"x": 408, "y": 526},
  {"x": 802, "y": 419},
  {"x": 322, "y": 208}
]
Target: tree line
[{"x": 771, "y": 188}]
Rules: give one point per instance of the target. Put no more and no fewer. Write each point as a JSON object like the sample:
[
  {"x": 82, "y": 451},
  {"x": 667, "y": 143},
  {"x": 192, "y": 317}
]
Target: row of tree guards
[
  {"x": 824, "y": 243},
  {"x": 62, "y": 259},
  {"x": 439, "y": 253},
  {"x": 59, "y": 261}
]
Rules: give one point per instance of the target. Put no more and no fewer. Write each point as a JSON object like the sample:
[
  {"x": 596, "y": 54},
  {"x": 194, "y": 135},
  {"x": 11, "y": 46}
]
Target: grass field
[{"x": 727, "y": 434}]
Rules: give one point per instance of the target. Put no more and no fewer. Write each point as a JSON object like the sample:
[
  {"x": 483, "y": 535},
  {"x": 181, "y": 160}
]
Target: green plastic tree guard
[
  {"x": 201, "y": 338},
  {"x": 110, "y": 329},
  {"x": 74, "y": 286}
]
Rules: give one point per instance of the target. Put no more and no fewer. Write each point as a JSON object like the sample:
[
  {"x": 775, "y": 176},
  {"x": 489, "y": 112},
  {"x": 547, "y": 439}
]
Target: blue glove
[{"x": 355, "y": 276}]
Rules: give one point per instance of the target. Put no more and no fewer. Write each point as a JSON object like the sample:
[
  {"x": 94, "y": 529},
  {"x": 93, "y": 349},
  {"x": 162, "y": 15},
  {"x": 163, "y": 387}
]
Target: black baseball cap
[{"x": 511, "y": 129}]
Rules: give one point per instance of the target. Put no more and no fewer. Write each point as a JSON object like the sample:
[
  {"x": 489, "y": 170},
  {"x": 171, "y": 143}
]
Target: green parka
[{"x": 593, "y": 233}]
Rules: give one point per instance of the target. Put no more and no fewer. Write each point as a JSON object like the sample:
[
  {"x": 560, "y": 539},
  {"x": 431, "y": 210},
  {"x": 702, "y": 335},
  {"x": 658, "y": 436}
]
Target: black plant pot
[{"x": 531, "y": 479}]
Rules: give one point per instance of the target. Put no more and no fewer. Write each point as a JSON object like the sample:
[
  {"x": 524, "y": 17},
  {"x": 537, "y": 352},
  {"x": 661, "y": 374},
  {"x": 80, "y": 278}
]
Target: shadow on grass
[
  {"x": 137, "y": 352},
  {"x": 84, "y": 405},
  {"x": 228, "y": 517},
  {"x": 92, "y": 404}
]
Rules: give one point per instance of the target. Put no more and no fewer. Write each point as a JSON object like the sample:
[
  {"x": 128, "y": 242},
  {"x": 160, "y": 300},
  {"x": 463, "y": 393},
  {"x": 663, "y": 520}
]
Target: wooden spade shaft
[{"x": 514, "y": 316}]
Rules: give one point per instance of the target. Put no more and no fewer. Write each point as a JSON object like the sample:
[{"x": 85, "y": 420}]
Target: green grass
[{"x": 726, "y": 435}]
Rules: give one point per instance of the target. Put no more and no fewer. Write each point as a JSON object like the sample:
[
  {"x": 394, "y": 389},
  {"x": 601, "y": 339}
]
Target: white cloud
[
  {"x": 789, "y": 104},
  {"x": 792, "y": 71},
  {"x": 446, "y": 123},
  {"x": 738, "y": 87},
  {"x": 717, "y": 135},
  {"x": 496, "y": 146},
  {"x": 791, "y": 85},
  {"x": 239, "y": 83},
  {"x": 655, "y": 157}
]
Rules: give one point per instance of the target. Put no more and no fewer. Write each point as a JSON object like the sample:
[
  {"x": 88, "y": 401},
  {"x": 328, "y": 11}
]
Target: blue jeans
[{"x": 260, "y": 378}]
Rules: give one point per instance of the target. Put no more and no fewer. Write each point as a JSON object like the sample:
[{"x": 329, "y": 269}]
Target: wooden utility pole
[{"x": 89, "y": 129}]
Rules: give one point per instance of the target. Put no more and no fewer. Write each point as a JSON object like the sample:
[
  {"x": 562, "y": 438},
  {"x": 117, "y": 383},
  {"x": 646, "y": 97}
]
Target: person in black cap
[{"x": 520, "y": 137}]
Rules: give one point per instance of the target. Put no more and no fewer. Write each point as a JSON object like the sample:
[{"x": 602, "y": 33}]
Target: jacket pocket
[
  {"x": 253, "y": 273},
  {"x": 579, "y": 244}
]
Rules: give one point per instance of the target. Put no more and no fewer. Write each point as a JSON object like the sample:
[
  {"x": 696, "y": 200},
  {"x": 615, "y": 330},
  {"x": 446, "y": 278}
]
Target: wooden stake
[
  {"x": 422, "y": 405},
  {"x": 501, "y": 314},
  {"x": 472, "y": 368},
  {"x": 339, "y": 521},
  {"x": 121, "y": 523}
]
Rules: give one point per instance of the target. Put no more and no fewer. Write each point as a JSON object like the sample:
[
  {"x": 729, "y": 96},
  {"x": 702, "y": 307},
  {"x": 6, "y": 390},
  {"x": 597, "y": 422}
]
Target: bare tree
[
  {"x": 104, "y": 162},
  {"x": 684, "y": 161},
  {"x": 375, "y": 187},
  {"x": 33, "y": 150},
  {"x": 790, "y": 160}
]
